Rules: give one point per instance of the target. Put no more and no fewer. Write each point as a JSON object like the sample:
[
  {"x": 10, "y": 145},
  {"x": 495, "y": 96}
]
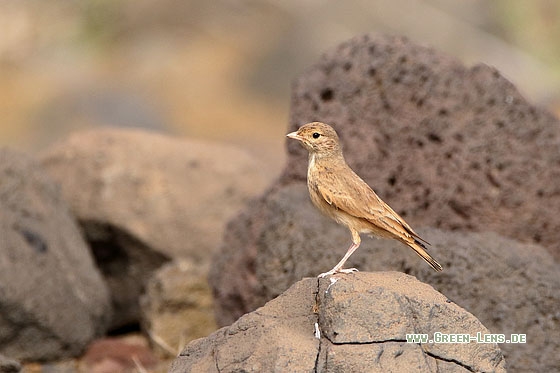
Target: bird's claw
[
  {"x": 348, "y": 270},
  {"x": 335, "y": 271}
]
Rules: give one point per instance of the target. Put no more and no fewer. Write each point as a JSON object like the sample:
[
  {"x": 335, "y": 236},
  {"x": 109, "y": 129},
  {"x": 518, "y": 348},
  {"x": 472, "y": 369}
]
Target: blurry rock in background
[
  {"x": 53, "y": 300},
  {"x": 144, "y": 198},
  {"x": 177, "y": 306},
  {"x": 222, "y": 70},
  {"x": 141, "y": 199},
  {"x": 124, "y": 354}
]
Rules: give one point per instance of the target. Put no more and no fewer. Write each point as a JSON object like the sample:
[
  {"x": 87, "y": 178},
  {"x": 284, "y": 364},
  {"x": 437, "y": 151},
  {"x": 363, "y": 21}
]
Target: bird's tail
[{"x": 420, "y": 249}]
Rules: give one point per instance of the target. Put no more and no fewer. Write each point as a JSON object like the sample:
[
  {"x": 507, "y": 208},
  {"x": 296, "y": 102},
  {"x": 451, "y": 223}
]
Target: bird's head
[{"x": 318, "y": 138}]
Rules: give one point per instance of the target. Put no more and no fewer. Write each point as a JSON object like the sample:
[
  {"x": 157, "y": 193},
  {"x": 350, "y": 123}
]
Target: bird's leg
[{"x": 338, "y": 268}]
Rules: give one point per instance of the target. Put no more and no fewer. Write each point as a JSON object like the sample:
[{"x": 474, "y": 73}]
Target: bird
[{"x": 339, "y": 193}]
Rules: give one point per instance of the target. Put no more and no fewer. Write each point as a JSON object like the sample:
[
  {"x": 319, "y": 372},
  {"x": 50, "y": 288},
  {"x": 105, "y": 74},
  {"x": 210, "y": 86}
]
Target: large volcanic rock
[
  {"x": 447, "y": 146},
  {"x": 53, "y": 300},
  {"x": 347, "y": 323}
]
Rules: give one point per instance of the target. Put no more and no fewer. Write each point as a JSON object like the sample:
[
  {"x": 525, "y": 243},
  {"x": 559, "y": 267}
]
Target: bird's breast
[{"x": 317, "y": 198}]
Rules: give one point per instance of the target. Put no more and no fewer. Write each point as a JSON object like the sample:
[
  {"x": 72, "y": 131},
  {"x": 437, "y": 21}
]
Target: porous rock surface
[
  {"x": 346, "y": 323},
  {"x": 446, "y": 146},
  {"x": 143, "y": 198},
  {"x": 53, "y": 300}
]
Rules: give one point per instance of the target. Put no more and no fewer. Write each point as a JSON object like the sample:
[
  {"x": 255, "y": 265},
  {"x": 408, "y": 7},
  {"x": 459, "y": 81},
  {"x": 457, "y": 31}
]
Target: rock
[
  {"x": 143, "y": 198},
  {"x": 173, "y": 195},
  {"x": 509, "y": 286},
  {"x": 177, "y": 306},
  {"x": 362, "y": 319},
  {"x": 446, "y": 146},
  {"x": 8, "y": 365},
  {"x": 480, "y": 271},
  {"x": 53, "y": 300},
  {"x": 121, "y": 354}
]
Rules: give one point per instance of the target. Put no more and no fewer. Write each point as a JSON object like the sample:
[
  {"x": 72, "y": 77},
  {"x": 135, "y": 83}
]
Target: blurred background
[{"x": 222, "y": 70}]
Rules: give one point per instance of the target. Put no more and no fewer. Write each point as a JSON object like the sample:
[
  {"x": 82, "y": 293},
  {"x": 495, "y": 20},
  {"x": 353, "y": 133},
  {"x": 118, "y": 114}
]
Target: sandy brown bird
[{"x": 341, "y": 194}]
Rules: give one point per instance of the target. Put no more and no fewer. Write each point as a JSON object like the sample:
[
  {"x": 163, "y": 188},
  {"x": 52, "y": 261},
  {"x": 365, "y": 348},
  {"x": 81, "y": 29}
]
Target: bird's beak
[{"x": 294, "y": 135}]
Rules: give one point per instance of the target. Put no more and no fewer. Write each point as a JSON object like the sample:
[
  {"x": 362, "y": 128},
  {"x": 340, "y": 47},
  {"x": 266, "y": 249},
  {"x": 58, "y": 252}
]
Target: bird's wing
[{"x": 348, "y": 192}]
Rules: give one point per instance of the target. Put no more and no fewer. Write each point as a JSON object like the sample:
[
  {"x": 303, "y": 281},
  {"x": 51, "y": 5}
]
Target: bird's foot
[{"x": 337, "y": 270}]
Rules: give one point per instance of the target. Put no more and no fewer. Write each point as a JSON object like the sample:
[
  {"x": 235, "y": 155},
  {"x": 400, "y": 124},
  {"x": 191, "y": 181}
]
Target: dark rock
[
  {"x": 144, "y": 198},
  {"x": 53, "y": 300},
  {"x": 446, "y": 146},
  {"x": 126, "y": 264},
  {"x": 362, "y": 320}
]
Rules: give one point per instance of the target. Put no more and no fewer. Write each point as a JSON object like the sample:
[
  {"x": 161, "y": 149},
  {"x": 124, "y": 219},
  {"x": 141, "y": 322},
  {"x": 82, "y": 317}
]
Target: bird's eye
[{"x": 316, "y": 135}]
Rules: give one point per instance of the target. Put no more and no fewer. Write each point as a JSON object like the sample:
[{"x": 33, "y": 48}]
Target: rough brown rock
[
  {"x": 362, "y": 318},
  {"x": 445, "y": 145},
  {"x": 143, "y": 198},
  {"x": 53, "y": 300}
]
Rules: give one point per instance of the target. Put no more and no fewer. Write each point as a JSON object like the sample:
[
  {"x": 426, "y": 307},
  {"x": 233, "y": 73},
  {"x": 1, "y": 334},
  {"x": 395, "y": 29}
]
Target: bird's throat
[{"x": 311, "y": 160}]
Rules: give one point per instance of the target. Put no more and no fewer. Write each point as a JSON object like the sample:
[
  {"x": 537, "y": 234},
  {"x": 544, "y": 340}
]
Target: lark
[{"x": 339, "y": 193}]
